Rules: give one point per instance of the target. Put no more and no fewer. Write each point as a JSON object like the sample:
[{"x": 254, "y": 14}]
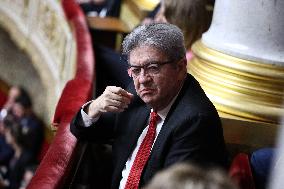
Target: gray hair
[
  {"x": 190, "y": 176},
  {"x": 166, "y": 37}
]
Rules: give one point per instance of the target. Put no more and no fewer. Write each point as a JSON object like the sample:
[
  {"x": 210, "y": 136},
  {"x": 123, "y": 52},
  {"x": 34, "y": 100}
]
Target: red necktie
[{"x": 142, "y": 154}]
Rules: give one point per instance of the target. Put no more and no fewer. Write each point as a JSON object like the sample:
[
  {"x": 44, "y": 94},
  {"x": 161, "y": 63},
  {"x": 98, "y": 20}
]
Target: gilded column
[{"x": 240, "y": 60}]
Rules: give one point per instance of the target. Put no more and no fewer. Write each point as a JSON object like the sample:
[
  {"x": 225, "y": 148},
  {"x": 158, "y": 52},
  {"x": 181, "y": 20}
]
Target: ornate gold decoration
[{"x": 238, "y": 87}]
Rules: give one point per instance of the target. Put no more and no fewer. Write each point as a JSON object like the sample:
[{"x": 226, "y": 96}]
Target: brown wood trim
[{"x": 107, "y": 24}]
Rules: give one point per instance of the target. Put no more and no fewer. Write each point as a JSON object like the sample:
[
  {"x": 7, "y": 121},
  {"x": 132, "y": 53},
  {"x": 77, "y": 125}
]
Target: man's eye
[
  {"x": 153, "y": 68},
  {"x": 135, "y": 70}
]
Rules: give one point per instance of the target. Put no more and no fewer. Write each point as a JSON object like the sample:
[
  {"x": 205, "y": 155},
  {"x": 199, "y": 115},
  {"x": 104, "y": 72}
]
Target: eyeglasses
[{"x": 151, "y": 68}]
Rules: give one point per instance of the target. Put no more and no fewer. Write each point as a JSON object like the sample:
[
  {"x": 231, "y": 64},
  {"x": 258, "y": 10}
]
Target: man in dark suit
[{"x": 183, "y": 126}]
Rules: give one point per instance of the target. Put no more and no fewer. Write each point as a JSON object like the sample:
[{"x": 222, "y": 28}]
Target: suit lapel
[
  {"x": 137, "y": 124},
  {"x": 174, "y": 118}
]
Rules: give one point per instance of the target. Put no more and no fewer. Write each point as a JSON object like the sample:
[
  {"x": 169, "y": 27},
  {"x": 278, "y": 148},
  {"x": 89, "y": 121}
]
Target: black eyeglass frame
[{"x": 145, "y": 67}]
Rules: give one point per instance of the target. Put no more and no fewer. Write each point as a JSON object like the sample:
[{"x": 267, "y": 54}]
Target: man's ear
[
  {"x": 182, "y": 64},
  {"x": 129, "y": 72},
  {"x": 184, "y": 61}
]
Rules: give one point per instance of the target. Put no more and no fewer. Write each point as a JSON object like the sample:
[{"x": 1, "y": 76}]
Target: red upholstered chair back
[
  {"x": 55, "y": 168},
  {"x": 240, "y": 171}
]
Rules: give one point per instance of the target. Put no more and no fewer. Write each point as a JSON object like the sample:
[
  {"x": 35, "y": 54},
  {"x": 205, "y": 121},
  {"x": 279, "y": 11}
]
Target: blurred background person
[
  {"x": 14, "y": 92},
  {"x": 191, "y": 16},
  {"x": 22, "y": 110},
  {"x": 28, "y": 175},
  {"x": 6, "y": 151},
  {"x": 100, "y": 8},
  {"x": 19, "y": 139},
  {"x": 189, "y": 176}
]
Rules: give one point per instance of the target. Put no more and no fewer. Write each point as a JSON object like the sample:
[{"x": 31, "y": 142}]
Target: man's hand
[{"x": 113, "y": 99}]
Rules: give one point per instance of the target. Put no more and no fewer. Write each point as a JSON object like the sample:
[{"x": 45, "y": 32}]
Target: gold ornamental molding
[{"x": 241, "y": 88}]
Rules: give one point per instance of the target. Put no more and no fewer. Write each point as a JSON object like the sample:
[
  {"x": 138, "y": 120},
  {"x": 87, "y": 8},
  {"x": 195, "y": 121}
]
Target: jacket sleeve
[{"x": 100, "y": 132}]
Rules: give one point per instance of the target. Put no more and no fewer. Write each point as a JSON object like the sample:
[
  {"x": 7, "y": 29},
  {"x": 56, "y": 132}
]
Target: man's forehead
[
  {"x": 144, "y": 55},
  {"x": 146, "y": 50}
]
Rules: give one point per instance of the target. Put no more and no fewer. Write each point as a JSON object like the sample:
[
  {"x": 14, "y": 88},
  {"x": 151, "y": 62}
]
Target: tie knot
[{"x": 154, "y": 116}]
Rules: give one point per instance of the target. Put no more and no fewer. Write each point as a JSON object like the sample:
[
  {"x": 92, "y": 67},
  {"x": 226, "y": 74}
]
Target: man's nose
[{"x": 143, "y": 76}]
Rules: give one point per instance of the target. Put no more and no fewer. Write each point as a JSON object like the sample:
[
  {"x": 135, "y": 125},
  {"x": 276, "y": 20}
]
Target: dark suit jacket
[{"x": 191, "y": 132}]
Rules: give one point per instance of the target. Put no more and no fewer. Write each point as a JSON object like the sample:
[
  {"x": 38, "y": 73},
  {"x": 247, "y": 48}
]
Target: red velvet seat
[
  {"x": 240, "y": 171},
  {"x": 55, "y": 166},
  {"x": 3, "y": 98}
]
